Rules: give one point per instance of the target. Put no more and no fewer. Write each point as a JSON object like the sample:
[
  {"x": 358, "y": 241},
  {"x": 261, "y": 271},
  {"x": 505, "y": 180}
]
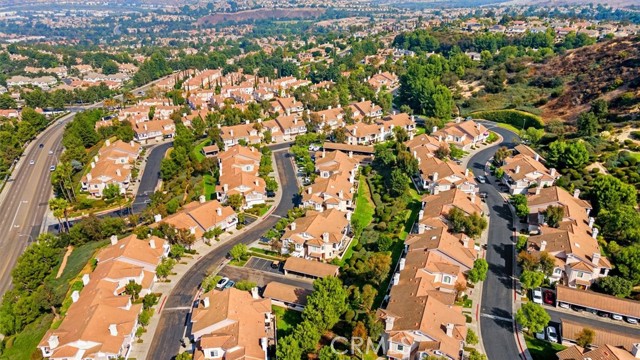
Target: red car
[{"x": 548, "y": 297}]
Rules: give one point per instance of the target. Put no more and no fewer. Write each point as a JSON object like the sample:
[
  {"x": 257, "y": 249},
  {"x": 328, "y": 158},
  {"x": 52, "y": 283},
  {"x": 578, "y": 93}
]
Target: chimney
[
  {"x": 107, "y": 143},
  {"x": 517, "y": 171},
  {"x": 293, "y": 226},
  {"x": 420, "y": 214},
  {"x": 576, "y": 193},
  {"x": 421, "y": 229},
  {"x": 93, "y": 164},
  {"x": 113, "y": 330},
  {"x": 89, "y": 176},
  {"x": 85, "y": 279},
  {"x": 465, "y": 242},
  {"x": 592, "y": 220},
  {"x": 324, "y": 153},
  {"x": 388, "y": 324},
  {"x": 225, "y": 187},
  {"x": 114, "y": 239},
  {"x": 349, "y": 216},
  {"x": 439, "y": 138},
  {"x": 450, "y": 327},
  {"x": 537, "y": 157},
  {"x": 205, "y": 302},
  {"x": 466, "y": 172},
  {"x": 202, "y": 199},
  {"x": 131, "y": 143},
  {"x": 361, "y": 99},
  {"x": 263, "y": 343},
  {"x": 219, "y": 211},
  {"x": 396, "y": 278},
  {"x": 543, "y": 245},
  {"x": 594, "y": 233},
  {"x": 635, "y": 350},
  {"x": 145, "y": 127},
  {"x": 246, "y": 122},
  {"x": 157, "y": 218},
  {"x": 435, "y": 176},
  {"x": 325, "y": 237},
  {"x": 595, "y": 258},
  {"x": 152, "y": 243},
  {"x": 350, "y": 154},
  {"x": 118, "y": 172},
  {"x": 257, "y": 182},
  {"x": 552, "y": 172},
  {"x": 254, "y": 292},
  {"x": 401, "y": 264},
  {"x": 231, "y": 132},
  {"x": 340, "y": 194},
  {"x": 473, "y": 197},
  {"x": 53, "y": 341},
  {"x": 434, "y": 129},
  {"x": 538, "y": 189},
  {"x": 75, "y": 296},
  {"x": 309, "y": 190}
]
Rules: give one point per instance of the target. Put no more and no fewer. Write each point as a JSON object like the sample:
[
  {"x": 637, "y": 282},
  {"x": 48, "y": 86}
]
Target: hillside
[
  {"x": 260, "y": 14},
  {"x": 610, "y": 70}
]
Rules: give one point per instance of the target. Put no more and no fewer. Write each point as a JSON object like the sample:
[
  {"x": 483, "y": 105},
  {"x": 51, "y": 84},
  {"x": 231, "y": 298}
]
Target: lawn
[
  {"x": 25, "y": 343},
  {"x": 508, "y": 127},
  {"x": 286, "y": 320},
  {"x": 209, "y": 185},
  {"x": 364, "y": 205},
  {"x": 542, "y": 350},
  {"x": 197, "y": 150}
]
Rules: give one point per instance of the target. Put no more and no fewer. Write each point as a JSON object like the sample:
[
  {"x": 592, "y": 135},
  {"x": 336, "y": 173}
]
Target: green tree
[
  {"x": 144, "y": 317},
  {"x": 532, "y": 134},
  {"x": 289, "y": 348},
  {"x": 7, "y": 102},
  {"x": 519, "y": 202},
  {"x": 133, "y": 289},
  {"x": 615, "y": 285},
  {"x": 627, "y": 260},
  {"x": 398, "y": 182},
  {"x": 235, "y": 201},
  {"x": 239, "y": 252},
  {"x": 585, "y": 337},
  {"x": 184, "y": 356},
  {"x": 163, "y": 270},
  {"x": 111, "y": 192},
  {"x": 621, "y": 223},
  {"x": 109, "y": 67},
  {"x": 553, "y": 215},
  {"x": 245, "y": 285},
  {"x": 472, "y": 338},
  {"x": 531, "y": 279},
  {"x": 587, "y": 124},
  {"x": 209, "y": 283},
  {"x": 271, "y": 184},
  {"x": 479, "y": 271},
  {"x": 308, "y": 335},
  {"x": 609, "y": 192},
  {"x": 326, "y": 304},
  {"x": 532, "y": 316},
  {"x": 475, "y": 355}
]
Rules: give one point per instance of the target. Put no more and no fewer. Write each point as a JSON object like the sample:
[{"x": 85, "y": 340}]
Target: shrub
[{"x": 517, "y": 118}]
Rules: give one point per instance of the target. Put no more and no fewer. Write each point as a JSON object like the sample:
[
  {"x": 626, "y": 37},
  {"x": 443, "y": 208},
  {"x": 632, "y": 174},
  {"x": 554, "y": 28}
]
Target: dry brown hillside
[{"x": 608, "y": 69}]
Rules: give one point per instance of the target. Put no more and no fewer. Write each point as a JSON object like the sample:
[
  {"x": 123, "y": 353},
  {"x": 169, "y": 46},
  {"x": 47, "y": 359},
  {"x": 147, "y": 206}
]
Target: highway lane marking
[
  {"x": 13, "y": 223},
  {"x": 494, "y": 317}
]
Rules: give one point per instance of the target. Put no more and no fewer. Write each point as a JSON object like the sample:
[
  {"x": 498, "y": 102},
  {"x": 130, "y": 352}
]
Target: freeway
[
  {"x": 171, "y": 327},
  {"x": 497, "y": 292},
  {"x": 24, "y": 200}
]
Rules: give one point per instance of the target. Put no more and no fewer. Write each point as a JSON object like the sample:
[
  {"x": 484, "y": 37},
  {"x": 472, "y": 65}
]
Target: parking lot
[{"x": 263, "y": 265}]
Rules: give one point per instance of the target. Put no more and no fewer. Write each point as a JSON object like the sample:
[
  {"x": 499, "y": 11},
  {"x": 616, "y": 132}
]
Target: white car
[
  {"x": 50, "y": 152},
  {"x": 31, "y": 162},
  {"x": 481, "y": 179},
  {"x": 222, "y": 282},
  {"x": 616, "y": 317},
  {"x": 52, "y": 168},
  {"x": 551, "y": 334},
  {"x": 537, "y": 296},
  {"x": 564, "y": 305},
  {"x": 632, "y": 320}
]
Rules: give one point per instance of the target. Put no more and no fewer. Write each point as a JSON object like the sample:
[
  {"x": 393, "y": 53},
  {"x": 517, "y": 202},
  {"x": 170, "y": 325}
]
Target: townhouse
[
  {"x": 327, "y": 120},
  {"x": 318, "y": 235},
  {"x": 572, "y": 242},
  {"x": 232, "y": 324},
  {"x": 437, "y": 175},
  {"x": 606, "y": 352},
  {"x": 381, "y": 130},
  {"x": 201, "y": 216},
  {"x": 365, "y": 109},
  {"x": 522, "y": 172},
  {"x": 291, "y": 126},
  {"x": 102, "y": 320},
  {"x": 248, "y": 132},
  {"x": 382, "y": 80},
  {"x": 112, "y": 165},
  {"x": 157, "y": 130},
  {"x": 424, "y": 146},
  {"x": 437, "y": 206},
  {"x": 43, "y": 82},
  {"x": 464, "y": 134},
  {"x": 286, "y": 106},
  {"x": 238, "y": 174}
]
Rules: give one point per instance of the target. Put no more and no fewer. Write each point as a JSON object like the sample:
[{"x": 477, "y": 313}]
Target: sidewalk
[{"x": 140, "y": 349}]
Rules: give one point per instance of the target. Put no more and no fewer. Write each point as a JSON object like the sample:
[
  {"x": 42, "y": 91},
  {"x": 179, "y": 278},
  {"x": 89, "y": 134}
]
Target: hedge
[{"x": 512, "y": 117}]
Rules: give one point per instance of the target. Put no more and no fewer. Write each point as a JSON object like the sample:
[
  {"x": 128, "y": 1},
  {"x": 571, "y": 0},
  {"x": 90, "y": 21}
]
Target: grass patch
[
  {"x": 24, "y": 344},
  {"x": 509, "y": 127},
  {"x": 363, "y": 215},
  {"x": 542, "y": 350},
  {"x": 286, "y": 320},
  {"x": 513, "y": 117},
  {"x": 420, "y": 130},
  {"x": 209, "y": 186},
  {"x": 197, "y": 150},
  {"x": 465, "y": 302}
]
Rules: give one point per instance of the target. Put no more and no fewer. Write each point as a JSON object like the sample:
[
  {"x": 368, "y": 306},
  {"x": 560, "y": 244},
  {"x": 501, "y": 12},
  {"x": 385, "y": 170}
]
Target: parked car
[
  {"x": 616, "y": 317},
  {"x": 540, "y": 335},
  {"x": 564, "y": 305},
  {"x": 537, "y": 296},
  {"x": 275, "y": 264},
  {"x": 50, "y": 152},
  {"x": 631, "y": 320},
  {"x": 229, "y": 284},
  {"x": 548, "y": 297},
  {"x": 577, "y": 308},
  {"x": 552, "y": 335},
  {"x": 481, "y": 179},
  {"x": 483, "y": 195},
  {"x": 222, "y": 282},
  {"x": 603, "y": 314}
]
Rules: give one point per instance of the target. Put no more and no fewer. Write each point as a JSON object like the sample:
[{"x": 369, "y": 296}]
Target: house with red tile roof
[
  {"x": 112, "y": 165},
  {"x": 464, "y": 134},
  {"x": 238, "y": 168},
  {"x": 318, "y": 235}
]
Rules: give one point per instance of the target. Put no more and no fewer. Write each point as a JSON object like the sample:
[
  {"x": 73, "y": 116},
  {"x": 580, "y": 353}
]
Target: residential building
[
  {"x": 286, "y": 106},
  {"x": 328, "y": 120},
  {"x": 463, "y": 134},
  {"x": 606, "y": 352},
  {"x": 157, "y": 130},
  {"x": 309, "y": 268},
  {"x": 112, "y": 165},
  {"x": 287, "y": 296},
  {"x": 522, "y": 172},
  {"x": 575, "y": 210},
  {"x": 238, "y": 174},
  {"x": 247, "y": 132},
  {"x": 365, "y": 109},
  {"x": 232, "y": 324},
  {"x": 291, "y": 126},
  {"x": 201, "y": 216},
  {"x": 437, "y": 175},
  {"x": 620, "y": 338},
  {"x": 381, "y": 130},
  {"x": 437, "y": 206},
  {"x": 318, "y": 235}
]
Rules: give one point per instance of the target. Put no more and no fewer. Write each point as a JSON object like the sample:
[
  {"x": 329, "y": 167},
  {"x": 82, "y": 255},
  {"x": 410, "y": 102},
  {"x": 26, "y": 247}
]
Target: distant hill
[
  {"x": 610, "y": 70},
  {"x": 259, "y": 14},
  {"x": 612, "y": 3}
]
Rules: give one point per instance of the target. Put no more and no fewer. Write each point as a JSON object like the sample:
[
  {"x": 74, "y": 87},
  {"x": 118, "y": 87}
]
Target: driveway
[
  {"x": 171, "y": 326},
  {"x": 497, "y": 291},
  {"x": 261, "y": 264}
]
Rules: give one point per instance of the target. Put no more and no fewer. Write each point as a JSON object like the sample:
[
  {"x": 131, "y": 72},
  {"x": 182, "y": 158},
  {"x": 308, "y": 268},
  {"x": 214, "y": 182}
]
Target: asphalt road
[
  {"x": 174, "y": 317},
  {"x": 150, "y": 177},
  {"x": 497, "y": 292}
]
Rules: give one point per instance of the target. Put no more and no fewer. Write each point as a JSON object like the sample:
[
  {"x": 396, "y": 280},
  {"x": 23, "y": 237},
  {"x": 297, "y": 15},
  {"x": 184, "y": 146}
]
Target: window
[
  {"x": 557, "y": 271},
  {"x": 446, "y": 279},
  {"x": 399, "y": 347}
]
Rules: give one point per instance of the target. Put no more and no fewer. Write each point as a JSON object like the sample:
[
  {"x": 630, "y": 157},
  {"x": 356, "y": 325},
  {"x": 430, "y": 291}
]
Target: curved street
[
  {"x": 174, "y": 316},
  {"x": 496, "y": 325}
]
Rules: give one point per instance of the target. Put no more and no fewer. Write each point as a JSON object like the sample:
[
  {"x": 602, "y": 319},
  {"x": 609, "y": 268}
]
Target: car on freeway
[
  {"x": 229, "y": 284},
  {"x": 548, "y": 297},
  {"x": 481, "y": 179},
  {"x": 222, "y": 282},
  {"x": 552, "y": 335},
  {"x": 537, "y": 296},
  {"x": 31, "y": 162}
]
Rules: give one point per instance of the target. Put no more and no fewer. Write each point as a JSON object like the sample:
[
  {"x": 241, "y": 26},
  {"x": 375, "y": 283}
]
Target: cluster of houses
[
  {"x": 59, "y": 78},
  {"x": 102, "y": 320},
  {"x": 111, "y": 166},
  {"x": 573, "y": 240}
]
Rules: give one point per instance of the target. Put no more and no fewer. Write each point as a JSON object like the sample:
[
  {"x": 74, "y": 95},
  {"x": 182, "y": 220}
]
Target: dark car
[
  {"x": 41, "y": 146},
  {"x": 603, "y": 314},
  {"x": 577, "y": 308},
  {"x": 548, "y": 297}
]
